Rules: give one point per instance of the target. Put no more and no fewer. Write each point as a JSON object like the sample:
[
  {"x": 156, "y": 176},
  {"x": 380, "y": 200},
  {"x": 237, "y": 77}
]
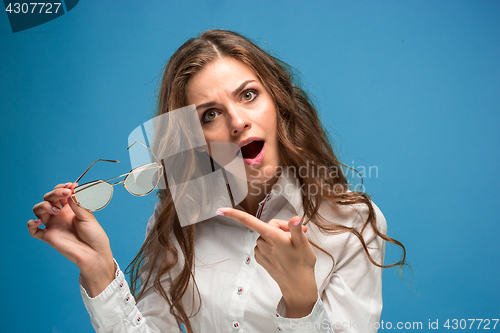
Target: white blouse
[{"x": 238, "y": 295}]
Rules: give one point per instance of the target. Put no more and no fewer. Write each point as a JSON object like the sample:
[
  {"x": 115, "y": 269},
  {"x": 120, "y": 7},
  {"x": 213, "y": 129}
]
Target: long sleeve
[
  {"x": 351, "y": 297},
  {"x": 115, "y": 310}
]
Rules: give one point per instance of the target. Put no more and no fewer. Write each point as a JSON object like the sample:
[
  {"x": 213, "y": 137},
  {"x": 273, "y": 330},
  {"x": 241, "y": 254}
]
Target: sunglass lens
[
  {"x": 94, "y": 196},
  {"x": 143, "y": 179}
]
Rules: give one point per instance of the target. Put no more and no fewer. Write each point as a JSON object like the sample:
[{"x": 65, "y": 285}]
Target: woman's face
[{"x": 233, "y": 106}]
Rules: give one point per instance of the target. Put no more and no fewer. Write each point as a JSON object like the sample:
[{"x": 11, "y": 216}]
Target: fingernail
[
  {"x": 55, "y": 209},
  {"x": 222, "y": 211},
  {"x": 37, "y": 221},
  {"x": 65, "y": 192},
  {"x": 296, "y": 223},
  {"x": 66, "y": 185}
]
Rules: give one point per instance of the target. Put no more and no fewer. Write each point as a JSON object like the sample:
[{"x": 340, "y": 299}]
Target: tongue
[{"x": 252, "y": 149}]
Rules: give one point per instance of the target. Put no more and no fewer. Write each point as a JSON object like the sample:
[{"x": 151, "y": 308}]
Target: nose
[{"x": 238, "y": 121}]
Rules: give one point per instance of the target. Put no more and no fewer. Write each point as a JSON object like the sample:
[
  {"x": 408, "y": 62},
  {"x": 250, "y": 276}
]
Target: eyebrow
[
  {"x": 241, "y": 87},
  {"x": 235, "y": 92}
]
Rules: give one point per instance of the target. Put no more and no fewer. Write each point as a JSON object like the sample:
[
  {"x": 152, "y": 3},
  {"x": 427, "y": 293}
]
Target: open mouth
[{"x": 252, "y": 149}]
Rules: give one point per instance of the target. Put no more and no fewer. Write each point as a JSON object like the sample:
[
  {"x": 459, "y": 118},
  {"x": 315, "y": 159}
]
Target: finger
[
  {"x": 62, "y": 185},
  {"x": 260, "y": 242},
  {"x": 44, "y": 209},
  {"x": 257, "y": 255},
  {"x": 55, "y": 197},
  {"x": 67, "y": 187},
  {"x": 260, "y": 258},
  {"x": 283, "y": 225},
  {"x": 262, "y": 246},
  {"x": 246, "y": 219},
  {"x": 56, "y": 187},
  {"x": 34, "y": 228},
  {"x": 296, "y": 231}
]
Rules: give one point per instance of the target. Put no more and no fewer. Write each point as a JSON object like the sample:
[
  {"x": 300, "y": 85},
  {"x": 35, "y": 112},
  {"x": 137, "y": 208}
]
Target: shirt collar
[{"x": 288, "y": 186}]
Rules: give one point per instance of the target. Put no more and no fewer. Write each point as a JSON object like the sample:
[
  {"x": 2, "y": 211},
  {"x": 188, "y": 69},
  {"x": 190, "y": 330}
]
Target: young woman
[{"x": 300, "y": 253}]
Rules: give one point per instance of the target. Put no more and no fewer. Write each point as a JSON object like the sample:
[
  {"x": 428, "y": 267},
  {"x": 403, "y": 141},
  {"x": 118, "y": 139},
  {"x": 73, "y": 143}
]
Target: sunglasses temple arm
[
  {"x": 142, "y": 143},
  {"x": 113, "y": 161}
]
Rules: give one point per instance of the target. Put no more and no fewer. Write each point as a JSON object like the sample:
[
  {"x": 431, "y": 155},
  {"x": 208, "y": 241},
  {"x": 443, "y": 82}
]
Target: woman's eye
[
  {"x": 249, "y": 95},
  {"x": 209, "y": 115}
]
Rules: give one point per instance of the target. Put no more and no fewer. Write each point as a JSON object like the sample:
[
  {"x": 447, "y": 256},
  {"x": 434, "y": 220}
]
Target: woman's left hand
[{"x": 287, "y": 257}]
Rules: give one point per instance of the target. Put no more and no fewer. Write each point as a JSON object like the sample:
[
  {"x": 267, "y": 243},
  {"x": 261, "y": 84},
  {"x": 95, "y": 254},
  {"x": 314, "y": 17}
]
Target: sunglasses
[{"x": 96, "y": 195}]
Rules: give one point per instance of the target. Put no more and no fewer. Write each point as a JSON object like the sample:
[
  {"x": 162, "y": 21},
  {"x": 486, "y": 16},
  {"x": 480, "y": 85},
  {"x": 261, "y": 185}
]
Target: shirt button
[
  {"x": 138, "y": 320},
  {"x": 236, "y": 325},
  {"x": 247, "y": 260},
  {"x": 127, "y": 299},
  {"x": 121, "y": 285},
  {"x": 240, "y": 290}
]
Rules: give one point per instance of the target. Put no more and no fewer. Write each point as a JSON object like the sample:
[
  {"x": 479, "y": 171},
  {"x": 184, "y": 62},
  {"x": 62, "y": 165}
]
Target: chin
[{"x": 261, "y": 175}]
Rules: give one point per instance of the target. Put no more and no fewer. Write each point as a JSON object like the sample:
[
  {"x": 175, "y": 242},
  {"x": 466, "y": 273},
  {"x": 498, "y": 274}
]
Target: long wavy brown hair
[{"x": 301, "y": 138}]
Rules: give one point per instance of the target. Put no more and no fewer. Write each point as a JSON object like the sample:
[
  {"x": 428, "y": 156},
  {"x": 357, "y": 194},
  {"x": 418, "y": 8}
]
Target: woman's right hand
[{"x": 76, "y": 234}]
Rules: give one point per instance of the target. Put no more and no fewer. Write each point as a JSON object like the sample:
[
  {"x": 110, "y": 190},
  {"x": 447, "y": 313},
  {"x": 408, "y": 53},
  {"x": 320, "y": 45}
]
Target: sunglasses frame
[{"x": 156, "y": 164}]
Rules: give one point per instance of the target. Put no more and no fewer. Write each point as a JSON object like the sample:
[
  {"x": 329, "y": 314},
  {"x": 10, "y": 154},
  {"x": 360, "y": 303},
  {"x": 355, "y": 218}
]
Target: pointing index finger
[{"x": 246, "y": 219}]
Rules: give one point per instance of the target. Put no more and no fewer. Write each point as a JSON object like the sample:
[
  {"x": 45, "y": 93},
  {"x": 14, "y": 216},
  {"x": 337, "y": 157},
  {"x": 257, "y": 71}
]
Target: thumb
[
  {"x": 296, "y": 231},
  {"x": 81, "y": 213}
]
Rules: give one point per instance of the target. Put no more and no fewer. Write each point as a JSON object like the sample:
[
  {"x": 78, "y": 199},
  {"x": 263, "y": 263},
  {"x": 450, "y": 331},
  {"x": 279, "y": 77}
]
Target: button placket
[
  {"x": 242, "y": 282},
  {"x": 262, "y": 205}
]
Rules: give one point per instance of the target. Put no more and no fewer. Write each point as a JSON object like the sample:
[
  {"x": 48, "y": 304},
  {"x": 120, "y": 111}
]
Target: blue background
[{"x": 410, "y": 87}]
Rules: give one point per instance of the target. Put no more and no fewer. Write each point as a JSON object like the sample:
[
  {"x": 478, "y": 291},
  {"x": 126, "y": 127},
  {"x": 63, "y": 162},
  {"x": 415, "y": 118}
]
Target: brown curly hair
[{"x": 301, "y": 138}]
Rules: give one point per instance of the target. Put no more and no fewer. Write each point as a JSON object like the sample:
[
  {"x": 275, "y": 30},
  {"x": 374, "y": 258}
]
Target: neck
[{"x": 256, "y": 193}]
